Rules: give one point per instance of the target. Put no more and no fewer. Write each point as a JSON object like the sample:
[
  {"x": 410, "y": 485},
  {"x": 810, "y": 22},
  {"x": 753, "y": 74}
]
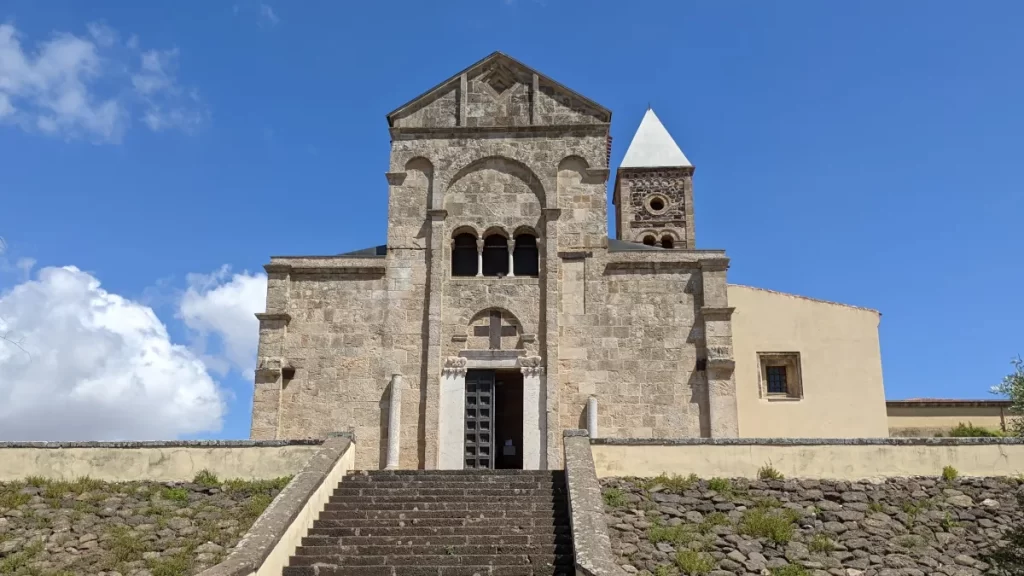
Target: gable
[{"x": 498, "y": 91}]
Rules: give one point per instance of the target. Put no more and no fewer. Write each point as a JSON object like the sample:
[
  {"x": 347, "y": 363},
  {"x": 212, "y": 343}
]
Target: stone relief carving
[
  {"x": 455, "y": 366},
  {"x": 531, "y": 365}
]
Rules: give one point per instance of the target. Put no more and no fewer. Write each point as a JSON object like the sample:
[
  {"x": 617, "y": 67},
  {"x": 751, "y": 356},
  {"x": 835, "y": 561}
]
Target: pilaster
[
  {"x": 435, "y": 297},
  {"x": 550, "y": 297}
]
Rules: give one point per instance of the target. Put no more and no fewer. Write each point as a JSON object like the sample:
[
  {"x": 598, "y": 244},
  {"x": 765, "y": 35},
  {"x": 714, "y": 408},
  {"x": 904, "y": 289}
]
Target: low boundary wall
[
  {"x": 269, "y": 544},
  {"x": 840, "y": 459},
  {"x": 155, "y": 461}
]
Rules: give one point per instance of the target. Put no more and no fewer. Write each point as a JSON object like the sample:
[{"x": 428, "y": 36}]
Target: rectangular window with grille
[
  {"x": 776, "y": 379},
  {"x": 780, "y": 377}
]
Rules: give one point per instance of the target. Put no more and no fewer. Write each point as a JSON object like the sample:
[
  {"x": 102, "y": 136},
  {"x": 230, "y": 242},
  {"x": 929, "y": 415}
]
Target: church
[{"x": 501, "y": 311}]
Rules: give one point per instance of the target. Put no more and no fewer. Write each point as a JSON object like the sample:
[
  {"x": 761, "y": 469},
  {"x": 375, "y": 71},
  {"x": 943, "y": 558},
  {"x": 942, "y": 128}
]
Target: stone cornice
[
  {"x": 551, "y": 213},
  {"x": 455, "y": 132},
  {"x": 327, "y": 265},
  {"x": 274, "y": 316},
  {"x": 437, "y": 214},
  {"x": 575, "y": 254},
  {"x": 717, "y": 313},
  {"x": 599, "y": 174},
  {"x": 686, "y": 170},
  {"x": 395, "y": 178},
  {"x": 274, "y": 268}
]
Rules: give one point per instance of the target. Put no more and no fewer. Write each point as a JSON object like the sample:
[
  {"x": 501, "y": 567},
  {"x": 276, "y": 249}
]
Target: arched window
[
  {"x": 464, "y": 255},
  {"x": 667, "y": 241},
  {"x": 649, "y": 240},
  {"x": 495, "y": 255},
  {"x": 524, "y": 256}
]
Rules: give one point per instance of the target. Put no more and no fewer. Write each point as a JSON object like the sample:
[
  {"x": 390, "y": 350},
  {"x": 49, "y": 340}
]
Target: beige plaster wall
[
  {"x": 928, "y": 420},
  {"x": 840, "y": 362},
  {"x": 833, "y": 461},
  {"x": 156, "y": 461}
]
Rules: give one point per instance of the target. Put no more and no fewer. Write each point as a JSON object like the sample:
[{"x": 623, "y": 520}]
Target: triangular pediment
[{"x": 498, "y": 91}]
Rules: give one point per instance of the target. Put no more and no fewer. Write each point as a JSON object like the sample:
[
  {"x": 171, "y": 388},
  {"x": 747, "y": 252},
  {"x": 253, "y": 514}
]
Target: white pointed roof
[{"x": 653, "y": 147}]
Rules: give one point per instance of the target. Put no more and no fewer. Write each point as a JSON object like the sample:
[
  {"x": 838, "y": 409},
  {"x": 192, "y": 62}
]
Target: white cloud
[
  {"x": 96, "y": 366},
  {"x": 74, "y": 87},
  {"x": 268, "y": 14},
  {"x": 220, "y": 309},
  {"x": 104, "y": 35}
]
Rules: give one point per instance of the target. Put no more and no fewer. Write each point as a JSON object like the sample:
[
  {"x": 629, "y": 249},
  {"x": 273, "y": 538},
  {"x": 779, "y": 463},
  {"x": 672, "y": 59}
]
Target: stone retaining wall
[
  {"x": 894, "y": 527},
  {"x": 154, "y": 461},
  {"x": 841, "y": 459}
]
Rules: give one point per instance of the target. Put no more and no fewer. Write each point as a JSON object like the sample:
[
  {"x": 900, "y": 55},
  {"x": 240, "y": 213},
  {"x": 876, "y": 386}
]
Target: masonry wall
[
  {"x": 627, "y": 336},
  {"x": 335, "y": 342},
  {"x": 840, "y": 364}
]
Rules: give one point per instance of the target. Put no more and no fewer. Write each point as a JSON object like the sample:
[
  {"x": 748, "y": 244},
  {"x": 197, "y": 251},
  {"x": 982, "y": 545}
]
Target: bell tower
[{"x": 654, "y": 190}]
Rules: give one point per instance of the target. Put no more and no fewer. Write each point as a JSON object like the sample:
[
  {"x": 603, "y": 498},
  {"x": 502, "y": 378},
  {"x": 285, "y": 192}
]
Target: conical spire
[{"x": 653, "y": 147}]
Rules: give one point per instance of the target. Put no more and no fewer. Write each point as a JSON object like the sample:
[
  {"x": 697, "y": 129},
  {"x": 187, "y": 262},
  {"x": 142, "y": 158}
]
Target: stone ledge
[
  {"x": 169, "y": 444},
  {"x": 257, "y": 544},
  {"x": 590, "y": 541},
  {"x": 804, "y": 441}
]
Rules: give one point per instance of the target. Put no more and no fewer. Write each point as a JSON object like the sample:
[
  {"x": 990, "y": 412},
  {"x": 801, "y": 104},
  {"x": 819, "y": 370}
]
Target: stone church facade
[{"x": 499, "y": 306}]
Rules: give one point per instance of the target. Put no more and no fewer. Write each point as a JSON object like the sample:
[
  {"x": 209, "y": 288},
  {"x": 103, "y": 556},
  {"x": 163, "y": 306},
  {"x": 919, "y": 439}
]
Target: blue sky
[{"x": 862, "y": 152}]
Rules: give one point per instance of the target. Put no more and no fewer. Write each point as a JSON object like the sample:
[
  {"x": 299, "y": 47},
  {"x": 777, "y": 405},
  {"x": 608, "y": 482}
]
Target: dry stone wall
[
  {"x": 56, "y": 528},
  {"x": 895, "y": 527}
]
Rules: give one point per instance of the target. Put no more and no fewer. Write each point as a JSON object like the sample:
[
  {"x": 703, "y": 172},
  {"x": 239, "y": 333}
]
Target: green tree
[{"x": 1012, "y": 387}]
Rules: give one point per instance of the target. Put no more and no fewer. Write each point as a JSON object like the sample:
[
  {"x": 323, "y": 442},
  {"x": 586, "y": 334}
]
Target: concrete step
[
  {"x": 413, "y": 489},
  {"x": 415, "y": 504},
  {"x": 493, "y": 500},
  {"x": 431, "y": 476},
  {"x": 342, "y": 514},
  {"x": 479, "y": 524},
  {"x": 442, "y": 540},
  {"x": 431, "y": 550},
  {"x": 427, "y": 570},
  {"x": 475, "y": 473},
  {"x": 538, "y": 559},
  {"x": 504, "y": 529}
]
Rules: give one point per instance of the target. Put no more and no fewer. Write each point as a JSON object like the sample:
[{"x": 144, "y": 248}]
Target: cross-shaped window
[{"x": 495, "y": 330}]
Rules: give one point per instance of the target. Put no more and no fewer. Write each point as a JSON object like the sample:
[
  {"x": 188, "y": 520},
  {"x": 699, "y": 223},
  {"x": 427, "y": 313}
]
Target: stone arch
[
  {"x": 525, "y": 229},
  {"x": 571, "y": 172},
  {"x": 492, "y": 230},
  {"x": 503, "y": 304},
  {"x": 504, "y": 164},
  {"x": 465, "y": 229},
  {"x": 419, "y": 174}
]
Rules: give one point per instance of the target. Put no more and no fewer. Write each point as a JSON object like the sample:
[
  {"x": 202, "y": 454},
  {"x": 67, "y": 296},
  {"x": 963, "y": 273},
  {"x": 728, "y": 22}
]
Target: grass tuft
[
  {"x": 694, "y": 563},
  {"x": 771, "y": 523},
  {"x": 175, "y": 494},
  {"x": 949, "y": 473},
  {"x": 768, "y": 472},
  {"x": 721, "y": 485},
  {"x": 206, "y": 479},
  {"x": 614, "y": 497},
  {"x": 674, "y": 484},
  {"x": 711, "y": 520},
  {"x": 821, "y": 543}
]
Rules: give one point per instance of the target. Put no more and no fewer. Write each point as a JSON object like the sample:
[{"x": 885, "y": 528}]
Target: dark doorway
[
  {"x": 508, "y": 421},
  {"x": 494, "y": 419}
]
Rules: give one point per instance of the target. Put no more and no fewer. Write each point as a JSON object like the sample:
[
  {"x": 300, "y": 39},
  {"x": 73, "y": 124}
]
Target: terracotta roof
[{"x": 948, "y": 402}]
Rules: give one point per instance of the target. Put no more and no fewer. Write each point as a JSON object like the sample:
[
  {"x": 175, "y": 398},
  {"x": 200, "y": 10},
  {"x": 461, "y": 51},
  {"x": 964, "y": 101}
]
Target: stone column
[
  {"x": 592, "y": 416},
  {"x": 479, "y": 256},
  {"x": 451, "y": 427},
  {"x": 548, "y": 246},
  {"x": 534, "y": 414},
  {"x": 511, "y": 259},
  {"x": 394, "y": 421}
]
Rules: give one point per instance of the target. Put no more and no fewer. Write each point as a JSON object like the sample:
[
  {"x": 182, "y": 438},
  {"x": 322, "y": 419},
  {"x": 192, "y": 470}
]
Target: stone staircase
[{"x": 441, "y": 523}]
